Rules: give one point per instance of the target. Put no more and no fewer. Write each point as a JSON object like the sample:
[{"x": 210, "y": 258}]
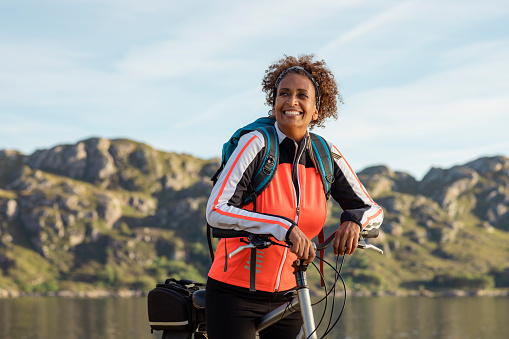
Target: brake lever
[
  {"x": 362, "y": 244},
  {"x": 241, "y": 248},
  {"x": 254, "y": 242}
]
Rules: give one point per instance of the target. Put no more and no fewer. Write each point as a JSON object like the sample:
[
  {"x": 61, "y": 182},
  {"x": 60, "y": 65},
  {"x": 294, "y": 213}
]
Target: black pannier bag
[{"x": 170, "y": 307}]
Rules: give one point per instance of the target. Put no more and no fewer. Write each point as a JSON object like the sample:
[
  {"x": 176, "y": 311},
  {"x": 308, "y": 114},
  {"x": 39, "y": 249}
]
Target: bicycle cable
[
  {"x": 335, "y": 280},
  {"x": 329, "y": 329},
  {"x": 326, "y": 294},
  {"x": 337, "y": 276},
  {"x": 332, "y": 290}
]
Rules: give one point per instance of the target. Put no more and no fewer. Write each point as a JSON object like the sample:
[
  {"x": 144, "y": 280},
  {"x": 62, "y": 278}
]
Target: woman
[{"x": 302, "y": 93}]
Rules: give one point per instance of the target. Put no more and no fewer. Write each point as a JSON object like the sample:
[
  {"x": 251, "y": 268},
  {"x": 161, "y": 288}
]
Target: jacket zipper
[{"x": 296, "y": 160}]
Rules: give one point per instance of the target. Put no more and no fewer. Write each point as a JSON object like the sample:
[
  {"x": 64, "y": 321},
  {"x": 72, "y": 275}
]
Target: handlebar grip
[
  {"x": 228, "y": 233},
  {"x": 372, "y": 233}
]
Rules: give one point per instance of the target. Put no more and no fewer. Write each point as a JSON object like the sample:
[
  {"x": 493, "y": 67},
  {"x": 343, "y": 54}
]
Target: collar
[{"x": 281, "y": 135}]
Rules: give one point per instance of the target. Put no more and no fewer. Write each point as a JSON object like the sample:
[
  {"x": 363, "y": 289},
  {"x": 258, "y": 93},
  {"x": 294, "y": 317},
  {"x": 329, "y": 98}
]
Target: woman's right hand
[{"x": 301, "y": 245}]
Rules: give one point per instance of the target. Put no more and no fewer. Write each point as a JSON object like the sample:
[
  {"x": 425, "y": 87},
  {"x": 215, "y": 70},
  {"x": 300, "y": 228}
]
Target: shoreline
[
  {"x": 138, "y": 294},
  {"x": 432, "y": 294},
  {"x": 70, "y": 294}
]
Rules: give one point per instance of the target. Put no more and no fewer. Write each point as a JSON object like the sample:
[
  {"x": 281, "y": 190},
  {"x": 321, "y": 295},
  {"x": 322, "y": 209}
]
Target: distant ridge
[{"x": 112, "y": 215}]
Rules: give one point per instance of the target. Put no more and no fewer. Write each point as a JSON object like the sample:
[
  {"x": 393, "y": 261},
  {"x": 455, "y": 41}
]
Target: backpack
[{"x": 321, "y": 156}]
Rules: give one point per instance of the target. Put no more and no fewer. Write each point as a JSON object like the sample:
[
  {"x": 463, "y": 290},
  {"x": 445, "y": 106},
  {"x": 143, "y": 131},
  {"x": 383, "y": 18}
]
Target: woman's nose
[{"x": 292, "y": 100}]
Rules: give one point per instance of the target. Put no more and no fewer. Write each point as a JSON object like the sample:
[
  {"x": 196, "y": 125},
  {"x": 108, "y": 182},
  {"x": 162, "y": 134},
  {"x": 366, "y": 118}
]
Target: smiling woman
[{"x": 292, "y": 208}]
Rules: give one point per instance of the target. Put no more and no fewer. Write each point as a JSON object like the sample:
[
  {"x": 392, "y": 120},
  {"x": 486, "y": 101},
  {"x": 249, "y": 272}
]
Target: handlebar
[
  {"x": 229, "y": 233},
  {"x": 364, "y": 234},
  {"x": 372, "y": 233},
  {"x": 263, "y": 241}
]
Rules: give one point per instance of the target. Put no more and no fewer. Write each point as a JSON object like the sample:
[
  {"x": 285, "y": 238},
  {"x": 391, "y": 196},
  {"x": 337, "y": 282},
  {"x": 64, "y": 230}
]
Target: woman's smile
[{"x": 292, "y": 113}]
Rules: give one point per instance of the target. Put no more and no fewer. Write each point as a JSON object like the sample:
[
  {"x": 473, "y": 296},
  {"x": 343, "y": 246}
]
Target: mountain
[{"x": 116, "y": 215}]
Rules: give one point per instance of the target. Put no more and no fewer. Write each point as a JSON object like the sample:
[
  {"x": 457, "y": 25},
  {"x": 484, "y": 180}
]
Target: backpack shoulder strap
[
  {"x": 267, "y": 169},
  {"x": 322, "y": 158},
  {"x": 230, "y": 146}
]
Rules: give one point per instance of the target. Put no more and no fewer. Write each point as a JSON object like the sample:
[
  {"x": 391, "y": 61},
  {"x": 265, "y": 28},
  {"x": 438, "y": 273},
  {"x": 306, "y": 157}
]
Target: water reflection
[
  {"x": 390, "y": 317},
  {"x": 374, "y": 317},
  {"x": 74, "y": 318}
]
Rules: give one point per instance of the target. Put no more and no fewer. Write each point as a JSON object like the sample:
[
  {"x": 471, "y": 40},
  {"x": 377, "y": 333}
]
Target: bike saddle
[{"x": 199, "y": 299}]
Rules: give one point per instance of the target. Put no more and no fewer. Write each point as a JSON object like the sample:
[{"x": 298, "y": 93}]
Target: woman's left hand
[
  {"x": 301, "y": 245},
  {"x": 346, "y": 239}
]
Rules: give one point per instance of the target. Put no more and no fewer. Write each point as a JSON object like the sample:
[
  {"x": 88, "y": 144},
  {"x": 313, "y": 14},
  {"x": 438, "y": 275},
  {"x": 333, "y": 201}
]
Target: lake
[{"x": 364, "y": 317}]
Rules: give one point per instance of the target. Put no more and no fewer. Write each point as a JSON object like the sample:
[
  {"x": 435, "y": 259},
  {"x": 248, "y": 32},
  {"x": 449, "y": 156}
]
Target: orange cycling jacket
[{"x": 295, "y": 196}]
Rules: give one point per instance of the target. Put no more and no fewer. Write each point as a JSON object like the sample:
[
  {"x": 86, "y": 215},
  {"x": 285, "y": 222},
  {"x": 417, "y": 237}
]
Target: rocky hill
[{"x": 117, "y": 214}]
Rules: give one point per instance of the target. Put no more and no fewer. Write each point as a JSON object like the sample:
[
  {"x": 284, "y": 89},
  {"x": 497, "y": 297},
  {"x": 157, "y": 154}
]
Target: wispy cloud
[
  {"x": 416, "y": 75},
  {"x": 457, "y": 110},
  {"x": 215, "y": 43},
  {"x": 133, "y": 6},
  {"x": 369, "y": 27},
  {"x": 38, "y": 75}
]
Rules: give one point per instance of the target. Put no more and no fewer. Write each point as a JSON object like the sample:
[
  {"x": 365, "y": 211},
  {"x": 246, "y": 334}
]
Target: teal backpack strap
[
  {"x": 230, "y": 146},
  {"x": 265, "y": 173},
  {"x": 322, "y": 158}
]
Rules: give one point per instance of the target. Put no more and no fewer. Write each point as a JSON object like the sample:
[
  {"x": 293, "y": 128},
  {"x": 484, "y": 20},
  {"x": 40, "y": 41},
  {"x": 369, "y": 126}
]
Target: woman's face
[{"x": 295, "y": 105}]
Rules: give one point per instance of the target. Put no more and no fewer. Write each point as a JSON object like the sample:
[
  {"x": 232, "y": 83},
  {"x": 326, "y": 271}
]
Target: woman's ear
[{"x": 315, "y": 114}]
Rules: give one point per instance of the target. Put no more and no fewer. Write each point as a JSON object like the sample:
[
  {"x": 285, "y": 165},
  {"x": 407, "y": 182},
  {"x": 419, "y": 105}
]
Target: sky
[{"x": 424, "y": 83}]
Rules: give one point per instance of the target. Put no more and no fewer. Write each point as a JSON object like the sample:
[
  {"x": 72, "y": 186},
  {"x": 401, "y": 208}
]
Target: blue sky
[{"x": 425, "y": 83}]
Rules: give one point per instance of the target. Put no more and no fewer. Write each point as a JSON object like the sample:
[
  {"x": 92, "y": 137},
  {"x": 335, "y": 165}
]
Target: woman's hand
[
  {"x": 346, "y": 239},
  {"x": 301, "y": 245}
]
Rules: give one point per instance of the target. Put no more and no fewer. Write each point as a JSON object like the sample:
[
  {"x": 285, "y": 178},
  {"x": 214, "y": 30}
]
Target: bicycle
[{"x": 301, "y": 301}]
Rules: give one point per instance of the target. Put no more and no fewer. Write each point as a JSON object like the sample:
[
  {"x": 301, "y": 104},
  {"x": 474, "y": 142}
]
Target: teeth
[{"x": 293, "y": 113}]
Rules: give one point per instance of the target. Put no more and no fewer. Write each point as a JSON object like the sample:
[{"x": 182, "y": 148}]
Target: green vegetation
[
  {"x": 112, "y": 215},
  {"x": 7, "y": 194},
  {"x": 468, "y": 281}
]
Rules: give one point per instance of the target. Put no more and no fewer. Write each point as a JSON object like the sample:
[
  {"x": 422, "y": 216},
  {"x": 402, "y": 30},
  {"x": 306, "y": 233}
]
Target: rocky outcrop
[
  {"x": 480, "y": 187},
  {"x": 10, "y": 209},
  {"x": 381, "y": 179},
  {"x": 88, "y": 160},
  {"x": 10, "y": 166}
]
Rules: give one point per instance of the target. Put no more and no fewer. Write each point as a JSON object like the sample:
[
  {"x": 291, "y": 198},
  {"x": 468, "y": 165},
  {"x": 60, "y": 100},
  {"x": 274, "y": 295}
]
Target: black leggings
[{"x": 232, "y": 312}]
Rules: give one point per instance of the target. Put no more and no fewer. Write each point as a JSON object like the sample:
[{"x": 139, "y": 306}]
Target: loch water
[{"x": 363, "y": 317}]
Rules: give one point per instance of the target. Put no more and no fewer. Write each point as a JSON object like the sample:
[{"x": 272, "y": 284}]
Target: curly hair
[{"x": 329, "y": 97}]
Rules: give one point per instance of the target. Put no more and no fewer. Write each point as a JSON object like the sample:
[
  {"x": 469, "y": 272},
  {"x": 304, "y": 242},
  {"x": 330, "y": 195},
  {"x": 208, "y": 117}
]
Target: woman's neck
[{"x": 295, "y": 135}]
